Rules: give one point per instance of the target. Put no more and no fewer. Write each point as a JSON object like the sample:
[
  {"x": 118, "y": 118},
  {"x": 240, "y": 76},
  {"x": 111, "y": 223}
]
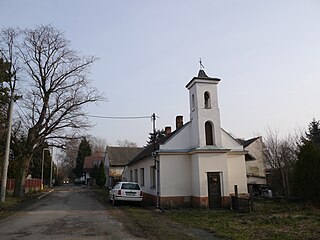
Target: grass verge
[
  {"x": 269, "y": 221},
  {"x": 14, "y": 204}
]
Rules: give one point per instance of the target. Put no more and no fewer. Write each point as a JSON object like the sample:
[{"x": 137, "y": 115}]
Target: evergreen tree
[
  {"x": 307, "y": 168},
  {"x": 95, "y": 172},
  {"x": 101, "y": 178},
  {"x": 314, "y": 133},
  {"x": 160, "y": 134},
  {"x": 84, "y": 150}
]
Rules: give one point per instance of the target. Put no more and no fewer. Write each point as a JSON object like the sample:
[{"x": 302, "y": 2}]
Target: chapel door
[{"x": 214, "y": 190}]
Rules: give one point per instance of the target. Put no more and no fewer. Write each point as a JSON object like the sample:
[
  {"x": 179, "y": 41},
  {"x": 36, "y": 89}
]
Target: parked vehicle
[{"x": 126, "y": 191}]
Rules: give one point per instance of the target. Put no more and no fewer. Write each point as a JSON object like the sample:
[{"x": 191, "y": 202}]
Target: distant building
[
  {"x": 88, "y": 166},
  {"x": 116, "y": 159},
  {"x": 199, "y": 163},
  {"x": 255, "y": 164}
]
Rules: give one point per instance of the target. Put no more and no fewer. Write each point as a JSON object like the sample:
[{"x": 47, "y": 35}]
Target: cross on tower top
[{"x": 201, "y": 65}]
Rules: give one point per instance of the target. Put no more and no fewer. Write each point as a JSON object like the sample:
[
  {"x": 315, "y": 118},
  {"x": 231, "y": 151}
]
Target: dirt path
[{"x": 70, "y": 212}]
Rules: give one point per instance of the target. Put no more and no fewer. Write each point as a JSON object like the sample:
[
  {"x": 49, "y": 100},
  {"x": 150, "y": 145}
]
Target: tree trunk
[
  {"x": 284, "y": 183},
  {"x": 21, "y": 176}
]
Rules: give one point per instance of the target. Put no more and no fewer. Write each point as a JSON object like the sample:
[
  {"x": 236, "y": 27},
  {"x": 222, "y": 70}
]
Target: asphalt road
[{"x": 70, "y": 212}]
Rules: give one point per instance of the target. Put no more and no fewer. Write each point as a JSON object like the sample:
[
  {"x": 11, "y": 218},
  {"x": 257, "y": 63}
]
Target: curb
[{"x": 45, "y": 194}]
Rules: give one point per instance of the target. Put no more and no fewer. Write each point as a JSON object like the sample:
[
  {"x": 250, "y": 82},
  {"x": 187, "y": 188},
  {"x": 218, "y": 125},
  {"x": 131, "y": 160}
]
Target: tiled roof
[
  {"x": 90, "y": 161},
  {"x": 148, "y": 150},
  {"x": 120, "y": 156},
  {"x": 246, "y": 143}
]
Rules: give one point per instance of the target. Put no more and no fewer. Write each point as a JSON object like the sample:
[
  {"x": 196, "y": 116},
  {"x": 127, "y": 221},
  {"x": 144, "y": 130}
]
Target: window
[
  {"x": 130, "y": 186},
  {"x": 207, "y": 101},
  {"x": 142, "y": 176},
  {"x": 193, "y": 102},
  {"x": 136, "y": 175},
  {"x": 152, "y": 176},
  {"x": 131, "y": 178},
  {"x": 209, "y": 131}
]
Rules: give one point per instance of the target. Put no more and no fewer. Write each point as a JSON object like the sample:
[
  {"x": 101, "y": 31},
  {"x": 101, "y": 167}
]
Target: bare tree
[
  {"x": 55, "y": 95},
  {"x": 280, "y": 158},
  {"x": 126, "y": 143},
  {"x": 98, "y": 145},
  {"x": 69, "y": 155}
]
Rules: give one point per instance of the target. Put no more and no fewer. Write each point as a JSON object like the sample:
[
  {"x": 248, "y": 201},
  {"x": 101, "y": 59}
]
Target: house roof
[
  {"x": 90, "y": 161},
  {"x": 120, "y": 156},
  {"x": 202, "y": 76},
  {"x": 148, "y": 150},
  {"x": 246, "y": 143}
]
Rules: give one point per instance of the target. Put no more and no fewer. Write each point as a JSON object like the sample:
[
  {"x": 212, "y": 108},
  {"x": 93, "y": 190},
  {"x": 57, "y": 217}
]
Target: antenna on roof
[{"x": 201, "y": 65}]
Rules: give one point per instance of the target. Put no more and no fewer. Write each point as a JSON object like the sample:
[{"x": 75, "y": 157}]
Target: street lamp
[
  {"x": 51, "y": 166},
  {"x": 42, "y": 166}
]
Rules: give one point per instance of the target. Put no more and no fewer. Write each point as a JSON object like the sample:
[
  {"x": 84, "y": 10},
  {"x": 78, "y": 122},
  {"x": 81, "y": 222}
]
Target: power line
[{"x": 121, "y": 118}]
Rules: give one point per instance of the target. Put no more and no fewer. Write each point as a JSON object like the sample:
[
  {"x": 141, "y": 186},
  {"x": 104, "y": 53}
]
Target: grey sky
[{"x": 265, "y": 52}]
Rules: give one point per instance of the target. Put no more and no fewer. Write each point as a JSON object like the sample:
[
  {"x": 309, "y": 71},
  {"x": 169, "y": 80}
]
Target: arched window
[
  {"x": 209, "y": 130},
  {"x": 207, "y": 101},
  {"x": 193, "y": 102}
]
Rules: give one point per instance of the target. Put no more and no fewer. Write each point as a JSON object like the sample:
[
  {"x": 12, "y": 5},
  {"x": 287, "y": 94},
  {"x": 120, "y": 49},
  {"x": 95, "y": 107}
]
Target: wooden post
[{"x": 236, "y": 191}]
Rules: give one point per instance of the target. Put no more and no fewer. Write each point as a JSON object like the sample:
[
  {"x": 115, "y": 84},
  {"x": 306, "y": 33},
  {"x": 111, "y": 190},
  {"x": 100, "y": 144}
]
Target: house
[
  {"x": 255, "y": 164},
  {"x": 199, "y": 163},
  {"x": 88, "y": 165},
  {"x": 116, "y": 159}
]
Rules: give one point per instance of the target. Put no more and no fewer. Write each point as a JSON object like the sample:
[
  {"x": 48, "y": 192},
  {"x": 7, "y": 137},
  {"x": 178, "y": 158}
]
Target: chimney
[
  {"x": 179, "y": 122},
  {"x": 167, "y": 130}
]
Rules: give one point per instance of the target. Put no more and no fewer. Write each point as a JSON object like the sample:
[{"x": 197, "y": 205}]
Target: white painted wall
[
  {"x": 195, "y": 177},
  {"x": 199, "y": 115},
  {"x": 229, "y": 142},
  {"x": 209, "y": 162},
  {"x": 237, "y": 173},
  {"x": 256, "y": 167},
  {"x": 175, "y": 175},
  {"x": 180, "y": 141},
  {"x": 146, "y": 164}
]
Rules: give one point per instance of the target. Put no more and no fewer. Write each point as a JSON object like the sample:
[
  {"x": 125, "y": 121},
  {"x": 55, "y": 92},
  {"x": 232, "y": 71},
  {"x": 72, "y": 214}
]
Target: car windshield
[{"x": 131, "y": 186}]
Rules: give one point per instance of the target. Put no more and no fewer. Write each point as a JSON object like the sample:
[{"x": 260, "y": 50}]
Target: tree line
[{"x": 294, "y": 163}]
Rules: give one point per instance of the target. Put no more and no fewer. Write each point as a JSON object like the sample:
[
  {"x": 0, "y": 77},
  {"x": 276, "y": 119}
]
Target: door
[{"x": 214, "y": 190}]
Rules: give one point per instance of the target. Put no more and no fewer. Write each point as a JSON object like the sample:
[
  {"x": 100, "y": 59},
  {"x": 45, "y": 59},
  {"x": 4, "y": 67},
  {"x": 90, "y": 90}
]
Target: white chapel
[{"x": 197, "y": 164}]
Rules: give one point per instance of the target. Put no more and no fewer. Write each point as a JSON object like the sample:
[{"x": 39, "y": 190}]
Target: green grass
[
  {"x": 296, "y": 224},
  {"x": 268, "y": 221}
]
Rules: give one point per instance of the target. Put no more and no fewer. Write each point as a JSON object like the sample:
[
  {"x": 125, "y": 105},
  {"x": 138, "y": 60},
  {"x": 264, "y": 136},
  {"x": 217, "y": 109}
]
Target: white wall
[
  {"x": 217, "y": 162},
  {"x": 146, "y": 164},
  {"x": 175, "y": 177},
  {"x": 229, "y": 142},
  {"x": 237, "y": 173},
  {"x": 256, "y": 167},
  {"x": 180, "y": 141}
]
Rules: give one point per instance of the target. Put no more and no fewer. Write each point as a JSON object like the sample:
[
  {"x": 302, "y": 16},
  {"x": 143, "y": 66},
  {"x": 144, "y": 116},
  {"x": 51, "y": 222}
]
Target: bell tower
[{"x": 204, "y": 111}]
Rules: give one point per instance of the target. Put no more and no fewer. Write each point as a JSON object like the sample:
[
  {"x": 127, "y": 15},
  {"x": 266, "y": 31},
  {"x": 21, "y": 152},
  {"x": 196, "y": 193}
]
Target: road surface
[{"x": 70, "y": 212}]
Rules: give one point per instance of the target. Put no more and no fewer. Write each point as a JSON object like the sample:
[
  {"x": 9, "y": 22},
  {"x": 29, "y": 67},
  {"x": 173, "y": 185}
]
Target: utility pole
[
  {"x": 7, "y": 151},
  {"x": 156, "y": 161},
  {"x": 42, "y": 165},
  {"x": 51, "y": 168}
]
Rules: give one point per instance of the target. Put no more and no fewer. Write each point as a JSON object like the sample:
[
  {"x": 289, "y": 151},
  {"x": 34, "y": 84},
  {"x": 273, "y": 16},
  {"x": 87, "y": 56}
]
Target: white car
[{"x": 126, "y": 191}]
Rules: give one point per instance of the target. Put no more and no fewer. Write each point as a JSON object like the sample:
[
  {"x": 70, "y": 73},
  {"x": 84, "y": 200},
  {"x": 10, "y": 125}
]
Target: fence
[
  {"x": 241, "y": 204},
  {"x": 30, "y": 185}
]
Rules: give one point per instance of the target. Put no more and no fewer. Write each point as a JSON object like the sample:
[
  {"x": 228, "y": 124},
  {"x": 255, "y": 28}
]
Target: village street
[{"x": 70, "y": 212}]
